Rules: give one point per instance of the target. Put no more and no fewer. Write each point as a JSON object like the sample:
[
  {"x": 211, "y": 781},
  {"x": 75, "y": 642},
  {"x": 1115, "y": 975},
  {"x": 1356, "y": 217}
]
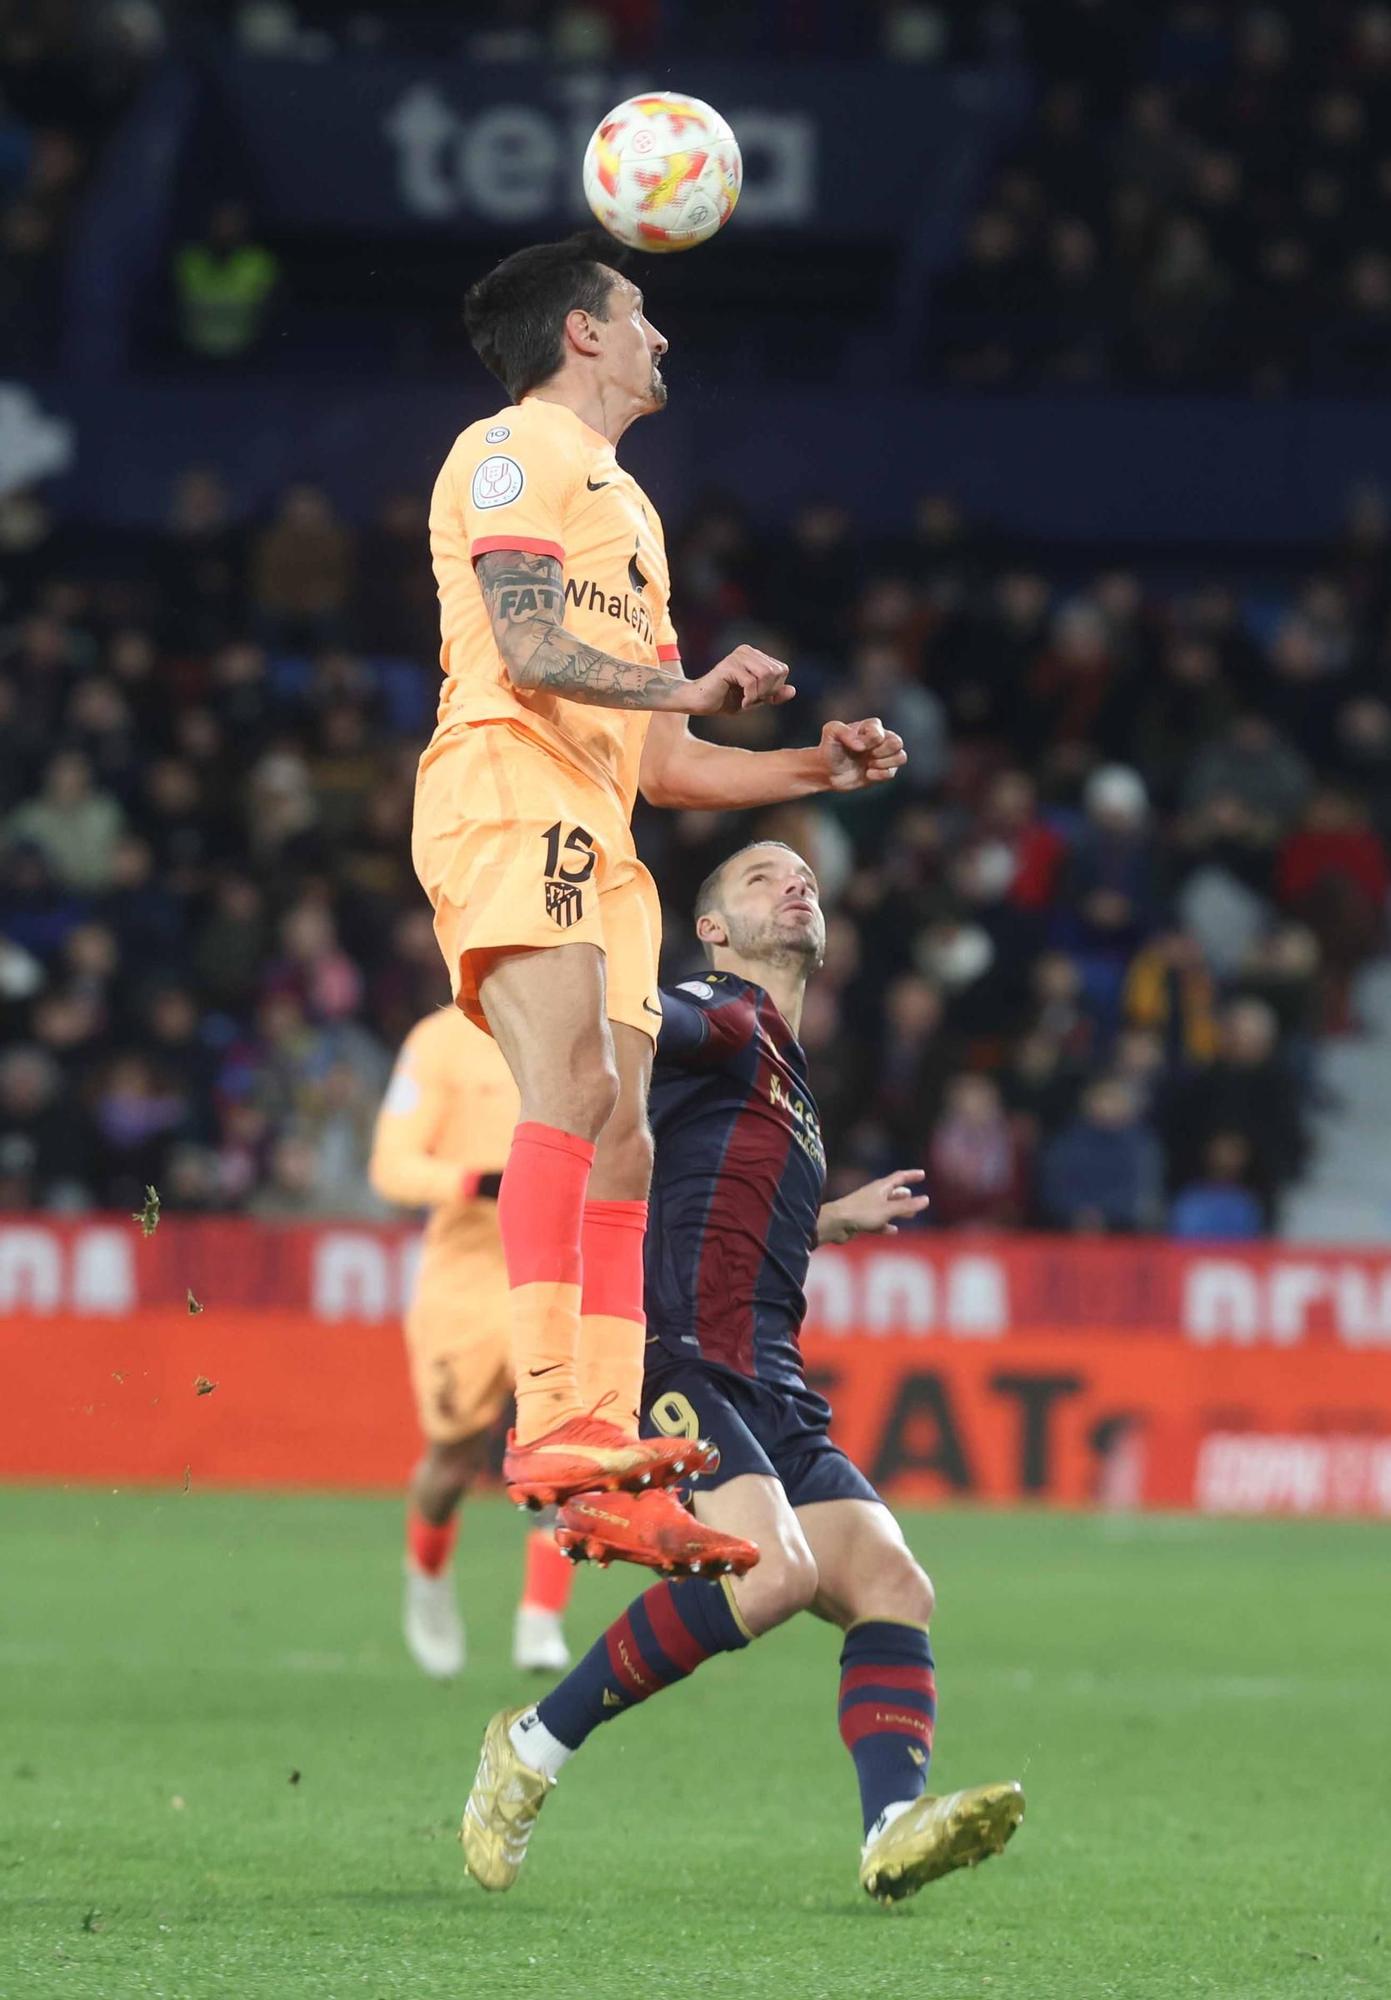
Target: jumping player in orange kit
[
  {"x": 440, "y": 1143},
  {"x": 563, "y": 698}
]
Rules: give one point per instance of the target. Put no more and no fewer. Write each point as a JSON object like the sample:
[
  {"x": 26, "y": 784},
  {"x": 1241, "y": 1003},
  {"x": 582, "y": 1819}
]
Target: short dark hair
[
  {"x": 708, "y": 894},
  {"x": 515, "y": 314}
]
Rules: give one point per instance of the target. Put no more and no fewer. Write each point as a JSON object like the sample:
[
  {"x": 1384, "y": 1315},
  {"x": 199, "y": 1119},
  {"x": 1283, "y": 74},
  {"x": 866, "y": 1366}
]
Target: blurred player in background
[
  {"x": 737, "y": 1204},
  {"x": 441, "y": 1138},
  {"x": 563, "y": 698}
]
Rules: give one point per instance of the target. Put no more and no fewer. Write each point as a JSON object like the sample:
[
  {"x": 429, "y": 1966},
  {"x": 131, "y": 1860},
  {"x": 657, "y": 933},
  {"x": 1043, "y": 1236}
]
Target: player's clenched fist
[
  {"x": 746, "y": 679},
  {"x": 861, "y": 753}
]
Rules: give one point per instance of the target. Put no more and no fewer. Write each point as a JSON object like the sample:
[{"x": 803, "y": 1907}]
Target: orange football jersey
[
  {"x": 449, "y": 1110},
  {"x": 536, "y": 478}
]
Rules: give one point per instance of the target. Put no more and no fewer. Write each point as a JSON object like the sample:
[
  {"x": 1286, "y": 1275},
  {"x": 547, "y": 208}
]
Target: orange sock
[
  {"x": 431, "y": 1546},
  {"x": 613, "y": 1326},
  {"x": 549, "y": 1574},
  {"x": 539, "y": 1210}
]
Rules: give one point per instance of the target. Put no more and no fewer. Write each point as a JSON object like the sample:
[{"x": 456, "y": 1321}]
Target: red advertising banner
[
  {"x": 1141, "y": 1419},
  {"x": 1003, "y": 1370},
  {"x": 967, "y": 1288},
  {"x": 241, "y": 1398}
]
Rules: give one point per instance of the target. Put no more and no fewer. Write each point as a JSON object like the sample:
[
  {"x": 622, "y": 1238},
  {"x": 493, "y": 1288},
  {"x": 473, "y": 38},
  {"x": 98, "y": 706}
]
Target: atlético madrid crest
[{"x": 563, "y": 904}]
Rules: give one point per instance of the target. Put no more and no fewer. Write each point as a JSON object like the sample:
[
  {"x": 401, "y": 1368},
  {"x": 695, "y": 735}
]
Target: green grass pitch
[{"x": 1200, "y": 1713}]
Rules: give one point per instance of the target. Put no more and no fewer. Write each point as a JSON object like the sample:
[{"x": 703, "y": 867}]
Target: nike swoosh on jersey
[
  {"x": 648, "y": 1008},
  {"x": 597, "y": 485}
]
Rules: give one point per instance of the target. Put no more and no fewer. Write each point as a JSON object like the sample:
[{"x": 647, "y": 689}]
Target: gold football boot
[
  {"x": 934, "y": 1836},
  {"x": 502, "y": 1807}
]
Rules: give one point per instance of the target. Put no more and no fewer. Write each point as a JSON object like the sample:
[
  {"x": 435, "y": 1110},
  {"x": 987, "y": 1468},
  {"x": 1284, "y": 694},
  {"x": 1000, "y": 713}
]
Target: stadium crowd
[
  {"x": 1078, "y": 955},
  {"x": 1201, "y": 200}
]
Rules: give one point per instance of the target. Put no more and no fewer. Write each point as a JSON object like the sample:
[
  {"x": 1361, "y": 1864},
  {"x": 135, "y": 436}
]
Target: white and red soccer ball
[{"x": 663, "y": 171}]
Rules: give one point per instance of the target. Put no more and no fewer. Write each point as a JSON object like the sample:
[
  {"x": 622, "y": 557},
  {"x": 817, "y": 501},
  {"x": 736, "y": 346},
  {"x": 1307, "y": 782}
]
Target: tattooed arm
[{"x": 525, "y": 596}]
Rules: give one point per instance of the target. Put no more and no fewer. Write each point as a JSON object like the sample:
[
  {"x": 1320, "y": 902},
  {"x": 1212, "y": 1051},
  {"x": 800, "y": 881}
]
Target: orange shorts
[
  {"x": 458, "y": 1330},
  {"x": 517, "y": 851}
]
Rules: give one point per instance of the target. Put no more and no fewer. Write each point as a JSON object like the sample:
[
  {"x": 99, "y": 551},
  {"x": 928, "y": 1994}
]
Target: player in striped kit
[{"x": 736, "y": 1211}]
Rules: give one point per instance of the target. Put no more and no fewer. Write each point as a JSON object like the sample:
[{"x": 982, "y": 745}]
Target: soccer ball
[{"x": 663, "y": 172}]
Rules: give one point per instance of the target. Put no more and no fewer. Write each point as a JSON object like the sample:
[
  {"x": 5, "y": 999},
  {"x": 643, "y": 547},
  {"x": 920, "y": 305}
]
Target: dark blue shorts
[{"x": 760, "y": 1427}]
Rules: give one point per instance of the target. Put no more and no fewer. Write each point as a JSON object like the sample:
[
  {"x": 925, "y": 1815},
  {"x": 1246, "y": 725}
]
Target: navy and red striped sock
[
  {"x": 663, "y": 1636},
  {"x": 888, "y": 1704}
]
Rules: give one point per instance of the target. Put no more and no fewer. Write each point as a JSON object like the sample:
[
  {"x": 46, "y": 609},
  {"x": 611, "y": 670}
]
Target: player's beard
[
  {"x": 771, "y": 943},
  {"x": 657, "y": 389}
]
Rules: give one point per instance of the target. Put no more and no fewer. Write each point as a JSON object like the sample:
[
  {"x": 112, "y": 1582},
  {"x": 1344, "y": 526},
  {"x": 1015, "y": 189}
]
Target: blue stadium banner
[{"x": 386, "y": 144}]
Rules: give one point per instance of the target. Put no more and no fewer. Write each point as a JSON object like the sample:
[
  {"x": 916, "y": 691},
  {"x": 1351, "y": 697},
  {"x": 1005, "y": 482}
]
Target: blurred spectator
[
  {"x": 136, "y": 1115},
  {"x": 1170, "y": 990},
  {"x": 914, "y": 1061},
  {"x": 1189, "y": 702},
  {"x": 179, "y": 819},
  {"x": 72, "y": 824},
  {"x": 1138, "y": 1058},
  {"x": 1283, "y": 970},
  {"x": 1249, "y": 1091},
  {"x": 1179, "y": 331},
  {"x": 1105, "y": 1171},
  {"x": 1333, "y": 874},
  {"x": 97, "y": 722},
  {"x": 1242, "y": 794},
  {"x": 291, "y": 1190},
  {"x": 36, "y": 913},
  {"x": 45, "y": 1147},
  {"x": 192, "y": 1183},
  {"x": 1036, "y": 850},
  {"x": 884, "y": 685},
  {"x": 230, "y": 947},
  {"x": 1112, "y": 877},
  {"x": 223, "y": 287},
  {"x": 143, "y": 914},
  {"x": 812, "y": 576},
  {"x": 397, "y": 605},
  {"x": 301, "y": 570},
  {"x": 312, "y": 967},
  {"x": 339, "y": 1114},
  {"x": 1063, "y": 1010},
  {"x": 280, "y": 810},
  {"x": 203, "y": 563},
  {"x": 975, "y": 1162},
  {"x": 1220, "y": 1207},
  {"x": 1073, "y": 693},
  {"x": 1040, "y": 1086},
  {"x": 171, "y": 1034},
  {"x": 343, "y": 771}
]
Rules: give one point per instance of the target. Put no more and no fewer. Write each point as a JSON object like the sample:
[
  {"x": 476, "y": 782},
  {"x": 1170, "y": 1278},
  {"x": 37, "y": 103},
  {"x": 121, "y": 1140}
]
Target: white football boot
[
  {"x": 433, "y": 1627},
  {"x": 538, "y": 1642}
]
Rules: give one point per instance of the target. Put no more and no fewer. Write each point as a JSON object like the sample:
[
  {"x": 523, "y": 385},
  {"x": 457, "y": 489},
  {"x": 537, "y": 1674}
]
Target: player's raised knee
[
  {"x": 911, "y": 1587},
  {"x": 785, "y": 1582},
  {"x": 889, "y": 1583}
]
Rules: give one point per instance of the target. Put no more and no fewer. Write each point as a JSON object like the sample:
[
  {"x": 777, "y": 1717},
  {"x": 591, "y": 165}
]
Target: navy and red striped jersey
[{"x": 737, "y": 1181}]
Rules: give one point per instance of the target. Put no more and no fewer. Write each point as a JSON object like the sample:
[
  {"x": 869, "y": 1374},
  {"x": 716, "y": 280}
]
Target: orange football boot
[
  {"x": 590, "y": 1455},
  {"x": 651, "y": 1528}
]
